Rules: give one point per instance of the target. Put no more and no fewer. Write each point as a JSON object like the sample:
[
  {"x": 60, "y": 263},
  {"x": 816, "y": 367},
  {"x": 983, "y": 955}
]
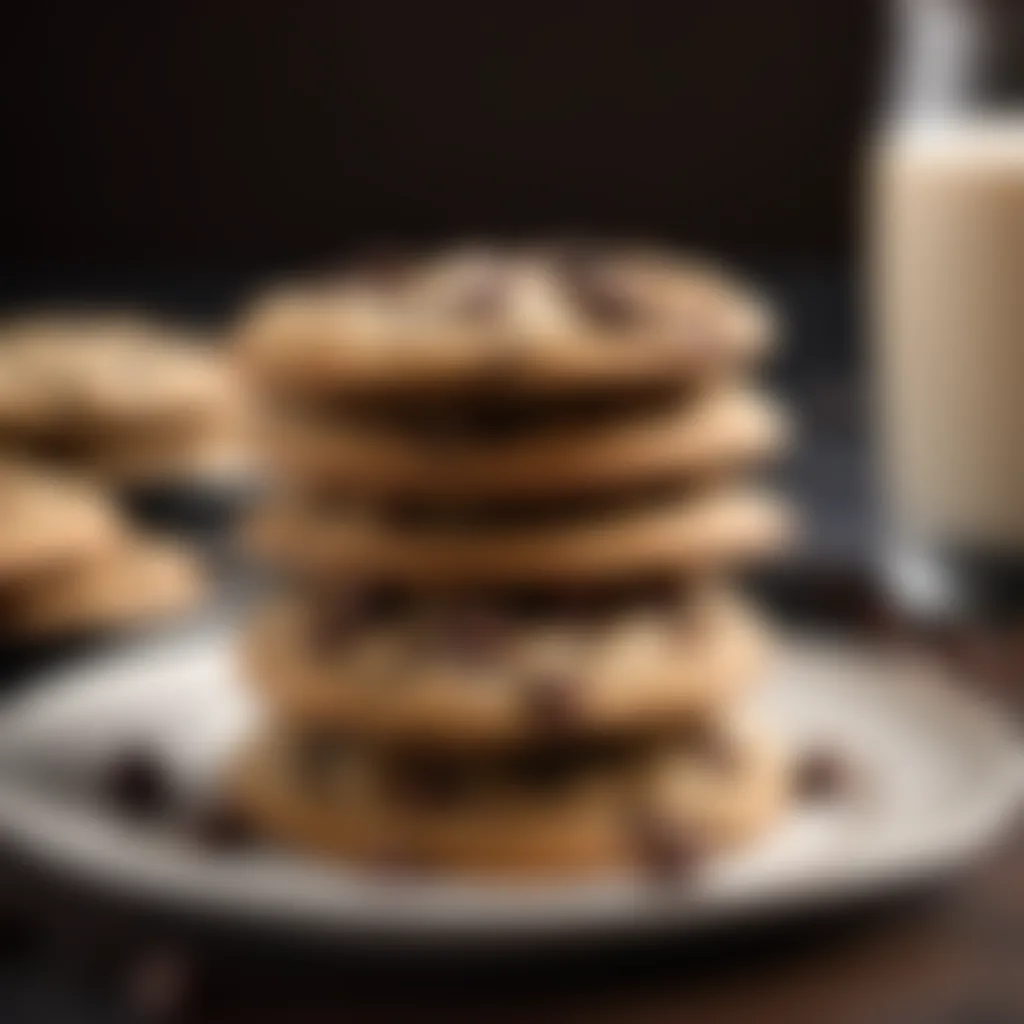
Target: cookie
[
  {"x": 475, "y": 673},
  {"x": 686, "y": 436},
  {"x": 521, "y": 321},
  {"x": 213, "y": 451},
  {"x": 47, "y": 522},
  {"x": 658, "y": 808},
  {"x": 136, "y": 581},
  {"x": 96, "y": 392},
  {"x": 722, "y": 527}
]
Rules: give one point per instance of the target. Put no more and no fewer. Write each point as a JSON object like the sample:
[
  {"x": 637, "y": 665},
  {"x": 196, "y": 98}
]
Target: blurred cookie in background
[
  {"x": 137, "y": 581},
  {"x": 71, "y": 565},
  {"x": 120, "y": 398},
  {"x": 48, "y": 522}
]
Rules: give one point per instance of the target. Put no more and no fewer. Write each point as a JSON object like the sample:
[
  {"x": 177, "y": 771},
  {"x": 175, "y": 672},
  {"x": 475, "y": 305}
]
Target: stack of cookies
[
  {"x": 121, "y": 399},
  {"x": 510, "y": 489},
  {"x": 70, "y": 565}
]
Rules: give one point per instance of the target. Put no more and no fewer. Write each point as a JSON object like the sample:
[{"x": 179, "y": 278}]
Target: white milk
[{"x": 947, "y": 269}]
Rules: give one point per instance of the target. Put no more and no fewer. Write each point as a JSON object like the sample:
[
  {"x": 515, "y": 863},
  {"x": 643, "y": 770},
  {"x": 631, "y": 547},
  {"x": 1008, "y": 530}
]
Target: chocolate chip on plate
[
  {"x": 137, "y": 785},
  {"x": 822, "y": 774}
]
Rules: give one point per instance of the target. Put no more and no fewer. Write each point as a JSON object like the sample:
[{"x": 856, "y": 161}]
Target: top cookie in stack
[
  {"x": 511, "y": 485},
  {"x": 532, "y": 322}
]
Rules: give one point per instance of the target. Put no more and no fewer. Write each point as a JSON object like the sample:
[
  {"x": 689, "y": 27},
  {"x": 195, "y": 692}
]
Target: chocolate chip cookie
[
  {"x": 137, "y": 580},
  {"x": 519, "y": 320},
  {"x": 112, "y": 396},
  {"x": 511, "y": 452},
  {"x": 660, "y": 807},
  {"x": 484, "y": 673},
  {"x": 48, "y": 521},
  {"x": 726, "y": 526}
]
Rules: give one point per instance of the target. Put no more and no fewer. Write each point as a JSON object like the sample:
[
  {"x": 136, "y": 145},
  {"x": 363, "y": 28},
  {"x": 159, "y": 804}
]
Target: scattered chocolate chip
[
  {"x": 822, "y": 775},
  {"x": 602, "y": 297},
  {"x": 552, "y": 701},
  {"x": 137, "y": 785},
  {"x": 665, "y": 849},
  {"x": 221, "y": 824}
]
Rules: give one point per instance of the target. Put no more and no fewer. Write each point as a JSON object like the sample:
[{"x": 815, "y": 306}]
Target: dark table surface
[{"x": 953, "y": 954}]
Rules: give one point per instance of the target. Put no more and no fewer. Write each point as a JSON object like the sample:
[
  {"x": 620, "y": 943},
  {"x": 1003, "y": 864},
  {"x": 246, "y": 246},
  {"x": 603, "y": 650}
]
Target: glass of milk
[{"x": 946, "y": 267}]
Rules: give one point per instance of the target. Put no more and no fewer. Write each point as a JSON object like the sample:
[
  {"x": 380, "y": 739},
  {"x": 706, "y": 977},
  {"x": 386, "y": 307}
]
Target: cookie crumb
[
  {"x": 822, "y": 775},
  {"x": 137, "y": 785}
]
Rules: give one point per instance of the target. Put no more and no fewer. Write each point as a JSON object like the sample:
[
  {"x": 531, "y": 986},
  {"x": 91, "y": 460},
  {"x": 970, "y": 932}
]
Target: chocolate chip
[
  {"x": 473, "y": 635},
  {"x": 821, "y": 775},
  {"x": 603, "y": 298},
  {"x": 222, "y": 824},
  {"x": 430, "y": 783},
  {"x": 552, "y": 701},
  {"x": 545, "y": 767},
  {"x": 711, "y": 747},
  {"x": 334, "y": 619},
  {"x": 496, "y": 423},
  {"x": 664, "y": 849},
  {"x": 137, "y": 785}
]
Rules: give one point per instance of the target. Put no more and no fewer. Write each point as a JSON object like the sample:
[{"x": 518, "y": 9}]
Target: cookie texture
[
  {"x": 552, "y": 319},
  {"x": 683, "y": 436},
  {"x": 511, "y": 491},
  {"x": 474, "y": 674},
  {"x": 725, "y": 527},
  {"x": 112, "y": 395},
  {"x": 47, "y": 522},
  {"x": 135, "y": 581},
  {"x": 661, "y": 808}
]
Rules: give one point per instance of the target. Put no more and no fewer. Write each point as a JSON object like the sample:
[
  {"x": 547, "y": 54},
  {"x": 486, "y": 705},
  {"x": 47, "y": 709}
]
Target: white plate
[{"x": 942, "y": 774}]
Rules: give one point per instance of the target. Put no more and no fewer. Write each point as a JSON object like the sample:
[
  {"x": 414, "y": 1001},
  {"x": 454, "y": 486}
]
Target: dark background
[
  {"x": 177, "y": 154},
  {"x": 231, "y": 135}
]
